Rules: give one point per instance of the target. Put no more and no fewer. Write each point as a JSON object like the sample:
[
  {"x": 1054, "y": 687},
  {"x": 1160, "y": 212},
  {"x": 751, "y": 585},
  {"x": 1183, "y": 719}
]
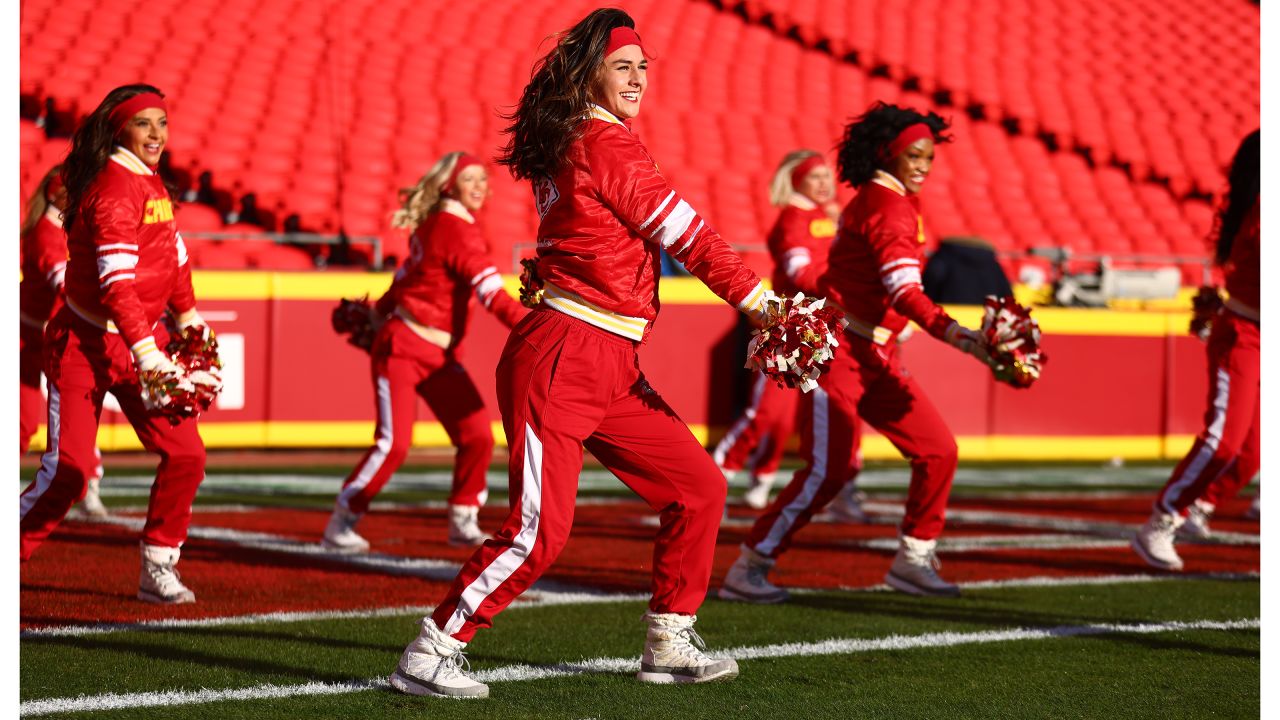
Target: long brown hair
[
  {"x": 39, "y": 201},
  {"x": 1244, "y": 182},
  {"x": 91, "y": 148},
  {"x": 549, "y": 116}
]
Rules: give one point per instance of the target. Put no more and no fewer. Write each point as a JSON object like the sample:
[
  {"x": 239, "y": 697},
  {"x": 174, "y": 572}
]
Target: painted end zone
[{"x": 252, "y": 561}]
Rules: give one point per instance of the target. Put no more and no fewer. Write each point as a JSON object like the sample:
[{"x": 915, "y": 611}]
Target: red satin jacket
[
  {"x": 799, "y": 243},
  {"x": 44, "y": 263},
  {"x": 127, "y": 261},
  {"x": 605, "y": 215},
  {"x": 448, "y": 263},
  {"x": 874, "y": 268}
]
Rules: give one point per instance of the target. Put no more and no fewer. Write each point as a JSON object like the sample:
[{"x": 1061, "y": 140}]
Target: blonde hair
[
  {"x": 420, "y": 200},
  {"x": 780, "y": 188},
  {"x": 38, "y": 203}
]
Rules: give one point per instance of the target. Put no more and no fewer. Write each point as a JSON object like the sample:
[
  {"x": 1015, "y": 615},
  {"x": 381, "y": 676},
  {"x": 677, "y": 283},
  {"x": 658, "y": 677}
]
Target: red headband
[
  {"x": 125, "y": 111},
  {"x": 909, "y": 134},
  {"x": 623, "y": 36},
  {"x": 55, "y": 185},
  {"x": 464, "y": 161},
  {"x": 804, "y": 168}
]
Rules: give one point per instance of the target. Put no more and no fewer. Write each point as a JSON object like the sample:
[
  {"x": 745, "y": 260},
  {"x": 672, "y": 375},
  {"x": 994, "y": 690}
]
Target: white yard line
[
  {"x": 532, "y": 598},
  {"x": 543, "y": 598},
  {"x": 1052, "y": 581},
  {"x": 121, "y": 485},
  {"x": 524, "y": 673}
]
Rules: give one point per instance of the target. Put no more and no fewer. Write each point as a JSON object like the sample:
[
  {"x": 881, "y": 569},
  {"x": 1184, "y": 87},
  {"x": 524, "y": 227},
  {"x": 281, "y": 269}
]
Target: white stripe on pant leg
[
  {"x": 48, "y": 461},
  {"x": 381, "y": 447},
  {"x": 812, "y": 481},
  {"x": 510, "y": 560},
  {"x": 1213, "y": 436},
  {"x": 731, "y": 438}
]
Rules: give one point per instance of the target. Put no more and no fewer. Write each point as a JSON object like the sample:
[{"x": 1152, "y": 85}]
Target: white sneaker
[
  {"x": 1154, "y": 541},
  {"x": 673, "y": 653},
  {"x": 915, "y": 570},
  {"x": 746, "y": 580},
  {"x": 464, "y": 530},
  {"x": 432, "y": 665},
  {"x": 92, "y": 505},
  {"x": 159, "y": 582},
  {"x": 1196, "y": 526},
  {"x": 340, "y": 534},
  {"x": 757, "y": 496},
  {"x": 846, "y": 506}
]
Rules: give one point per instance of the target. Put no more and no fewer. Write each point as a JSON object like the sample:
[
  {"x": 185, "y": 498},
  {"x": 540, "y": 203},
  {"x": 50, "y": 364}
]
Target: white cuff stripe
[
  {"x": 113, "y": 278},
  {"x": 489, "y": 287},
  {"x": 904, "y": 261},
  {"x": 895, "y": 280},
  {"x": 182, "y": 249},
  {"x": 658, "y": 212},
  {"x": 117, "y": 246},
  {"x": 675, "y": 225},
  {"x": 108, "y": 264},
  {"x": 480, "y": 276},
  {"x": 692, "y": 236}
]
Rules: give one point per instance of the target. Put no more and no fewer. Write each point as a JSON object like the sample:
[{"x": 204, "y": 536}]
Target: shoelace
[
  {"x": 165, "y": 576},
  {"x": 756, "y": 574},
  {"x": 456, "y": 664}
]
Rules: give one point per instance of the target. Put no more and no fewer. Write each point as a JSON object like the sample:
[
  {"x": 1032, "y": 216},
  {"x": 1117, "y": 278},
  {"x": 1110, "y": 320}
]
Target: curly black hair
[
  {"x": 1244, "y": 182},
  {"x": 866, "y": 137}
]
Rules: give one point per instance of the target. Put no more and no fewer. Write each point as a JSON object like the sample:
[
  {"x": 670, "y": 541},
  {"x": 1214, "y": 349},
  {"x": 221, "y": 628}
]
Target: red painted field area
[{"x": 87, "y": 572}]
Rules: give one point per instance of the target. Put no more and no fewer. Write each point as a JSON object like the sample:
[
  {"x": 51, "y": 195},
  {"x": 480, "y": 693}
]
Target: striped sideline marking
[
  {"x": 524, "y": 673},
  {"x": 544, "y": 598}
]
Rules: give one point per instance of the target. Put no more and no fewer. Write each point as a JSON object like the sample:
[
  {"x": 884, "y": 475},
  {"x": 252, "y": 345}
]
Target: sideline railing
[{"x": 374, "y": 242}]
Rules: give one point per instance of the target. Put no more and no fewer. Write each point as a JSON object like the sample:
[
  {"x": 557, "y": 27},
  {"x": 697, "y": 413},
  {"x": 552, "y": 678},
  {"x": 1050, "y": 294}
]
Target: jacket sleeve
[
  {"x": 115, "y": 218},
  {"x": 892, "y": 233},
  {"x": 629, "y": 183},
  {"x": 469, "y": 262},
  {"x": 790, "y": 251},
  {"x": 51, "y": 253},
  {"x": 183, "y": 298}
]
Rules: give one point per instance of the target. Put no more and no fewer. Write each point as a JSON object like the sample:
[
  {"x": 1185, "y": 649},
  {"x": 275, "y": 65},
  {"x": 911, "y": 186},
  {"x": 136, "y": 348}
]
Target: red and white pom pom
[
  {"x": 1013, "y": 341},
  {"x": 797, "y": 340},
  {"x": 195, "y": 351}
]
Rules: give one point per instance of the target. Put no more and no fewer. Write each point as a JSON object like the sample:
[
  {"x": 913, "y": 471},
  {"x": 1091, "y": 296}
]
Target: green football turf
[{"x": 1193, "y": 674}]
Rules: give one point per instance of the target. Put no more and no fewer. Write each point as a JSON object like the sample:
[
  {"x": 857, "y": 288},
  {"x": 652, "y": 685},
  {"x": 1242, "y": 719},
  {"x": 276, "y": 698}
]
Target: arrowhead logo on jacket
[{"x": 545, "y": 194}]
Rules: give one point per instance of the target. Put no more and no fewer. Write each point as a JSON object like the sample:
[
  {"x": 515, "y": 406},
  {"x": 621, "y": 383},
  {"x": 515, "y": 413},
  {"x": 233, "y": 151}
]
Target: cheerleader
[
  {"x": 44, "y": 265},
  {"x": 413, "y": 355},
  {"x": 569, "y": 376},
  {"x": 873, "y": 275},
  {"x": 803, "y": 187},
  {"x": 126, "y": 266},
  {"x": 1227, "y": 452}
]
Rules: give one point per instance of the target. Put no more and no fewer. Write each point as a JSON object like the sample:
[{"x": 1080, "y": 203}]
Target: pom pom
[
  {"x": 530, "y": 284},
  {"x": 1204, "y": 308},
  {"x": 1012, "y": 339},
  {"x": 175, "y": 397},
  {"x": 354, "y": 318},
  {"x": 797, "y": 340}
]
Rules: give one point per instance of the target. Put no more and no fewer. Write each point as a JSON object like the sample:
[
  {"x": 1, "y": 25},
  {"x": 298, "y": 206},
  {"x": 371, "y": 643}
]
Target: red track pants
[
  {"x": 762, "y": 430},
  {"x": 564, "y": 384},
  {"x": 404, "y": 367},
  {"x": 83, "y": 363},
  {"x": 1227, "y": 453},
  {"x": 31, "y": 402},
  {"x": 866, "y": 381}
]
